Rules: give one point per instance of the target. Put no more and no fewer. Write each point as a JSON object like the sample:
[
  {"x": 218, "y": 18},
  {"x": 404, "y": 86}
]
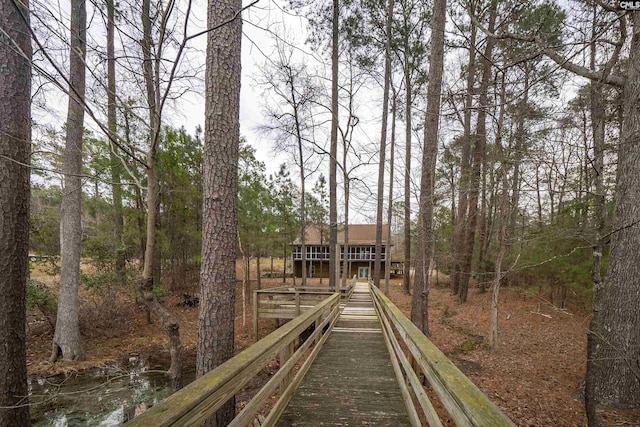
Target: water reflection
[{"x": 100, "y": 397}]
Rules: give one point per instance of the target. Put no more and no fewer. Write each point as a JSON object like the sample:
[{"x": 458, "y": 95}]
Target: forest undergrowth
[{"x": 534, "y": 375}]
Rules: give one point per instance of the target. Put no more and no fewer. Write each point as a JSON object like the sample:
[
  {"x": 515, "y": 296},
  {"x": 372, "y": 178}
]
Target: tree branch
[{"x": 563, "y": 62}]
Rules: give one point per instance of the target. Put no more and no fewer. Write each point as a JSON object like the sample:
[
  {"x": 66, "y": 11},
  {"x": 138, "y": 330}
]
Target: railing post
[
  {"x": 315, "y": 328},
  {"x": 297, "y": 303},
  {"x": 285, "y": 354},
  {"x": 416, "y": 367},
  {"x": 255, "y": 316}
]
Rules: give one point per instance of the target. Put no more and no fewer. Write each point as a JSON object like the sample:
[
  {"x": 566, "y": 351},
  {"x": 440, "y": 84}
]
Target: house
[{"x": 361, "y": 251}]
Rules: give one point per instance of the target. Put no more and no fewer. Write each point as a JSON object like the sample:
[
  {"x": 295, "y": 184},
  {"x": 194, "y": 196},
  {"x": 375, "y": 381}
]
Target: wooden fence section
[
  {"x": 198, "y": 401},
  {"x": 464, "y": 402},
  {"x": 287, "y": 302}
]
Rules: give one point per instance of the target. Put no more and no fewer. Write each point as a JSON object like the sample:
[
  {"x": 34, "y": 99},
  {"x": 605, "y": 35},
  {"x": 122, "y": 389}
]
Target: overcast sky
[
  {"x": 260, "y": 22},
  {"x": 262, "y": 25}
]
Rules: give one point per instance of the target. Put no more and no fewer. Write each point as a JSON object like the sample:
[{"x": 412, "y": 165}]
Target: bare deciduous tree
[
  {"x": 66, "y": 340},
  {"x": 292, "y": 123},
  {"x": 377, "y": 266},
  {"x": 116, "y": 187},
  {"x": 333, "y": 152},
  {"x": 419, "y": 311}
]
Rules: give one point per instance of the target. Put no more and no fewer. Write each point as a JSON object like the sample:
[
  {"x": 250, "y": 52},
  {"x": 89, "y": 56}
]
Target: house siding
[
  {"x": 361, "y": 253},
  {"x": 363, "y": 258}
]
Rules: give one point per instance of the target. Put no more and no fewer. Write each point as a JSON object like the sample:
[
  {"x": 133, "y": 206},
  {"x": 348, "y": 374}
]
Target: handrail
[
  {"x": 310, "y": 289},
  {"x": 287, "y": 302},
  {"x": 465, "y": 403},
  {"x": 198, "y": 401}
]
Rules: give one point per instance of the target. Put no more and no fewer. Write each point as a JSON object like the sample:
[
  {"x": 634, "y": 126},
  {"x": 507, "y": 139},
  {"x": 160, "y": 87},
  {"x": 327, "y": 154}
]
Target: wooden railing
[
  {"x": 465, "y": 403},
  {"x": 287, "y": 302},
  {"x": 198, "y": 401}
]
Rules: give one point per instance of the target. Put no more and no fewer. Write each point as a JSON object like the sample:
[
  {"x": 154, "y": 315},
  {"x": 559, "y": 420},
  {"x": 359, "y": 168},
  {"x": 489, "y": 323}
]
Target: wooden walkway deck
[
  {"x": 346, "y": 376},
  {"x": 352, "y": 381}
]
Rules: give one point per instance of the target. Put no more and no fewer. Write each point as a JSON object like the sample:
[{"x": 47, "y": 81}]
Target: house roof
[{"x": 359, "y": 234}]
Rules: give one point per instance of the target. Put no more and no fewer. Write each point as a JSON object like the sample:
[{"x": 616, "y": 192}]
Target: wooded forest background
[{"x": 504, "y": 136}]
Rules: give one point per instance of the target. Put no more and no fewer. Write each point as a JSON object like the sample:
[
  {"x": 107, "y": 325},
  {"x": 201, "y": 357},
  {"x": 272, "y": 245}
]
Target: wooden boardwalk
[
  {"x": 346, "y": 377},
  {"x": 352, "y": 381}
]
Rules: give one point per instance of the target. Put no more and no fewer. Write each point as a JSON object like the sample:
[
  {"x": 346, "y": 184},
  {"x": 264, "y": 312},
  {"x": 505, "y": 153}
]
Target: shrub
[{"x": 39, "y": 296}]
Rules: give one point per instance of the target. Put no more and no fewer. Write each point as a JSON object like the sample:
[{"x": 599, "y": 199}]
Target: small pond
[{"x": 99, "y": 397}]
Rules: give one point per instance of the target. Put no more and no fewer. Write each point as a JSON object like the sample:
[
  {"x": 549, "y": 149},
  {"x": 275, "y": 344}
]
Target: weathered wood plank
[
  {"x": 466, "y": 404},
  {"x": 281, "y": 404},
  {"x": 199, "y": 400},
  {"x": 416, "y": 387},
  {"x": 317, "y": 338},
  {"x": 352, "y": 382},
  {"x": 255, "y": 316}
]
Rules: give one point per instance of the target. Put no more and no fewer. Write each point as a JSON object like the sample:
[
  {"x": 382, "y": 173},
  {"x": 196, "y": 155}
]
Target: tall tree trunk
[
  {"x": 220, "y": 222},
  {"x": 419, "y": 313},
  {"x": 333, "y": 151},
  {"x": 539, "y": 196},
  {"x": 458, "y": 244},
  {"x": 258, "y": 275},
  {"x": 406, "y": 278},
  {"x": 502, "y": 248},
  {"x": 598, "y": 131},
  {"x": 15, "y": 141},
  {"x": 66, "y": 340},
  {"x": 377, "y": 266},
  {"x": 303, "y": 195},
  {"x": 167, "y": 321},
  {"x": 116, "y": 189},
  {"x": 136, "y": 189},
  {"x": 246, "y": 287},
  {"x": 157, "y": 248},
  {"x": 140, "y": 222},
  {"x": 387, "y": 262},
  {"x": 551, "y": 190},
  {"x": 480, "y": 142},
  {"x": 518, "y": 150},
  {"x": 346, "y": 142},
  {"x": 613, "y": 367},
  {"x": 597, "y": 111},
  {"x": 346, "y": 270},
  {"x": 247, "y": 265},
  {"x": 485, "y": 224},
  {"x": 503, "y": 221},
  {"x": 303, "y": 228}
]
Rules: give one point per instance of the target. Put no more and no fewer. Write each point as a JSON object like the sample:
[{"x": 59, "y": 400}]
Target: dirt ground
[{"x": 532, "y": 376}]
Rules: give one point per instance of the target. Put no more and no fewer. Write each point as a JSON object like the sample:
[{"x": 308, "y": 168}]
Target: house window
[
  {"x": 317, "y": 252},
  {"x": 297, "y": 253},
  {"x": 365, "y": 253}
]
